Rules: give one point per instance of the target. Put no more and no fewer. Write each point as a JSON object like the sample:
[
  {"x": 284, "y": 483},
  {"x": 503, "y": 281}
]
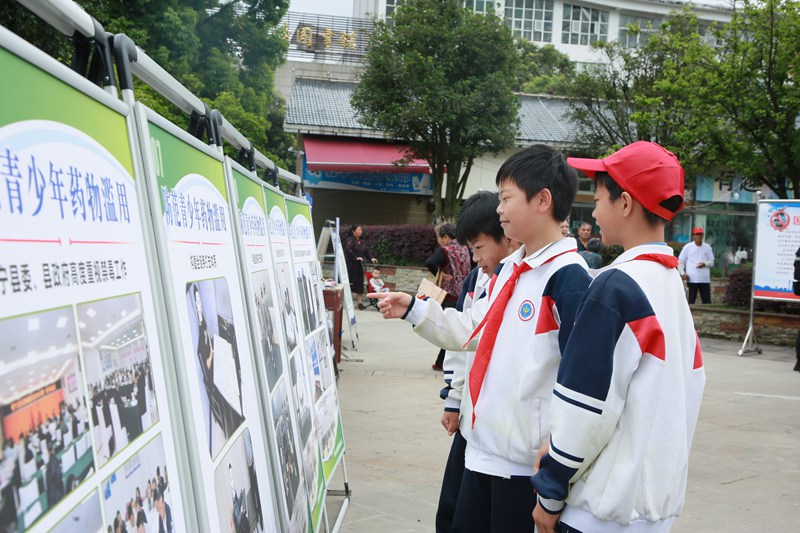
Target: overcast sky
[{"x": 343, "y": 8}]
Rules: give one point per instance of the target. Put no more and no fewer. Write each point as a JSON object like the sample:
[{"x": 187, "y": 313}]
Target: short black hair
[
  {"x": 445, "y": 229},
  {"x": 615, "y": 191},
  {"x": 540, "y": 167},
  {"x": 594, "y": 245},
  {"x": 479, "y": 215}
]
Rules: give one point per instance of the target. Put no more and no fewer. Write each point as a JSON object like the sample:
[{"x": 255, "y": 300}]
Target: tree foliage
[
  {"x": 643, "y": 93},
  {"x": 224, "y": 52},
  {"x": 542, "y": 69},
  {"x": 724, "y": 99},
  {"x": 752, "y": 93},
  {"x": 441, "y": 77}
]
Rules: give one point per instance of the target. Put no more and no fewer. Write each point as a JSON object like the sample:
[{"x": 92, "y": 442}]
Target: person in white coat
[{"x": 694, "y": 263}]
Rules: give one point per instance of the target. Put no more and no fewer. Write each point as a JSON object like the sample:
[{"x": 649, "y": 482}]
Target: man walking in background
[{"x": 694, "y": 263}]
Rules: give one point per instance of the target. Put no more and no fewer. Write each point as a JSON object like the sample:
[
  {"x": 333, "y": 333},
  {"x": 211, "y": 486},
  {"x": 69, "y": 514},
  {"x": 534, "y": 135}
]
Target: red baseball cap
[
  {"x": 697, "y": 231},
  {"x": 647, "y": 171}
]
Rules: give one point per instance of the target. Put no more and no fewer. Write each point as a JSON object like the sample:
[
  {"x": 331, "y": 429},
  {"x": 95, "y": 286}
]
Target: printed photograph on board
[
  {"x": 311, "y": 466},
  {"x": 46, "y": 442},
  {"x": 238, "y": 501},
  {"x": 308, "y": 285},
  {"x": 86, "y": 517},
  {"x": 116, "y": 356},
  {"x": 136, "y": 497},
  {"x": 299, "y": 374},
  {"x": 289, "y": 467},
  {"x": 288, "y": 306},
  {"x": 217, "y": 359},
  {"x": 267, "y": 319}
]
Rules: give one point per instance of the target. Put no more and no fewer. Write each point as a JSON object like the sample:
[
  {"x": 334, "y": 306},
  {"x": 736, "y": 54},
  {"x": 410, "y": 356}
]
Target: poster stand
[{"x": 777, "y": 238}]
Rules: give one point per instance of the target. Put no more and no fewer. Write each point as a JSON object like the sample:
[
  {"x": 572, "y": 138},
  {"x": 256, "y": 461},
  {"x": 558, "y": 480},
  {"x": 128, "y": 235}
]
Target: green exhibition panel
[
  {"x": 300, "y": 366},
  {"x": 209, "y": 326},
  {"x": 319, "y": 350},
  {"x": 267, "y": 305},
  {"x": 84, "y": 402}
]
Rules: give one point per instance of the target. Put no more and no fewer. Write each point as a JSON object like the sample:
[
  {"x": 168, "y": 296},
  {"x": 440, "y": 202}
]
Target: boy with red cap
[
  {"x": 629, "y": 386},
  {"x": 694, "y": 263}
]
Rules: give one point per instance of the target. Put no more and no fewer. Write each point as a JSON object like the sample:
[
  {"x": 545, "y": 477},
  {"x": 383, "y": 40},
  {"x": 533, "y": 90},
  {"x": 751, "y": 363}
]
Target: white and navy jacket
[
  {"x": 626, "y": 401},
  {"x": 474, "y": 288},
  {"x": 512, "y": 412}
]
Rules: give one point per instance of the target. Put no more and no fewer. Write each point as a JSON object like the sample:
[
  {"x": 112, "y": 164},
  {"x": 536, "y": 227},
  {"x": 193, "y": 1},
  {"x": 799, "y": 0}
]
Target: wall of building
[{"x": 362, "y": 207}]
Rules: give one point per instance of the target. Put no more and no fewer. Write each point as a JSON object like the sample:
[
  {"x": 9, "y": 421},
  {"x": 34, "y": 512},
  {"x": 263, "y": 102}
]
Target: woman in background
[{"x": 355, "y": 250}]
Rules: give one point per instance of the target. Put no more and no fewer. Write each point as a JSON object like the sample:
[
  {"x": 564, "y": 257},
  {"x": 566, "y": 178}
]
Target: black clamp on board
[
  {"x": 204, "y": 127},
  {"x": 271, "y": 176},
  {"x": 124, "y": 54},
  {"x": 247, "y": 156},
  {"x": 93, "y": 58}
]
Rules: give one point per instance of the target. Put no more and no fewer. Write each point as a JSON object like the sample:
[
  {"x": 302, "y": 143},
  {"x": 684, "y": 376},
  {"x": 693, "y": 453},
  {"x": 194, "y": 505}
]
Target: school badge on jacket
[{"x": 526, "y": 310}]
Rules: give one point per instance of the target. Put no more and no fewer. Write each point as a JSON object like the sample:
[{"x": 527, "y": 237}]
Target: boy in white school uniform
[
  {"x": 479, "y": 227},
  {"x": 517, "y": 333},
  {"x": 629, "y": 386}
]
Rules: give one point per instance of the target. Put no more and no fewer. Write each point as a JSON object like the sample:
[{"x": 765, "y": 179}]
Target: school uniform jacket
[
  {"x": 512, "y": 411},
  {"x": 455, "y": 362},
  {"x": 626, "y": 401}
]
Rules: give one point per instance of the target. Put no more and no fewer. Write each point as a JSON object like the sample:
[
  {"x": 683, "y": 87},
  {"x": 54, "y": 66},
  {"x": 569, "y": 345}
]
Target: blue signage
[{"x": 402, "y": 182}]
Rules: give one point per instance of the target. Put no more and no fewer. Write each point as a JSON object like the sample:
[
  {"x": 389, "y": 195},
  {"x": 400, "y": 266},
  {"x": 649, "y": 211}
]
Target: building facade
[{"x": 348, "y": 169}]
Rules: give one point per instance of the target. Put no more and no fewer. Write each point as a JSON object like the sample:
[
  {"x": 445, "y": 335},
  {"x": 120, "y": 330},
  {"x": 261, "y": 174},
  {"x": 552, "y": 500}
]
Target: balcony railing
[{"x": 326, "y": 38}]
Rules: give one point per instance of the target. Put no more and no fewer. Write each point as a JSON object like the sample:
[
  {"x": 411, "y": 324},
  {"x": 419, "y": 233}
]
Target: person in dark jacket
[{"x": 355, "y": 253}]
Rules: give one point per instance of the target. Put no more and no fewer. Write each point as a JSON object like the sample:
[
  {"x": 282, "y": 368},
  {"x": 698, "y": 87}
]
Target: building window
[
  {"x": 391, "y": 7},
  {"x": 634, "y": 31},
  {"x": 480, "y": 6},
  {"x": 583, "y": 25},
  {"x": 530, "y": 19}
]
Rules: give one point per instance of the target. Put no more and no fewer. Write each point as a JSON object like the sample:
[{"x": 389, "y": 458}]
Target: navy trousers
[
  {"x": 491, "y": 504},
  {"x": 451, "y": 484}
]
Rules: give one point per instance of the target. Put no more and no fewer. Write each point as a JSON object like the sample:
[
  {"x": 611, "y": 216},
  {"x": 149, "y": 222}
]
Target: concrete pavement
[{"x": 745, "y": 464}]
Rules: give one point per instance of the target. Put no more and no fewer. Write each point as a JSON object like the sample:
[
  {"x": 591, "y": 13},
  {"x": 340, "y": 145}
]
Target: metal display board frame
[
  {"x": 327, "y": 405},
  {"x": 777, "y": 238},
  {"x": 82, "y": 295},
  {"x": 252, "y": 424},
  {"x": 273, "y": 388}
]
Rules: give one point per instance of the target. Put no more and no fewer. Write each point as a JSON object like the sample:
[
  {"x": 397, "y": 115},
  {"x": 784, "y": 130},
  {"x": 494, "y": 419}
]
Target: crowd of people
[
  {"x": 119, "y": 389},
  {"x": 574, "y": 400},
  {"x": 39, "y": 450},
  {"x": 147, "y": 511}
]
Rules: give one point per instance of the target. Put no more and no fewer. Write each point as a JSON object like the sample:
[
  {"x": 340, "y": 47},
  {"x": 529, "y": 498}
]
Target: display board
[
  {"x": 319, "y": 350},
  {"x": 208, "y": 322},
  {"x": 266, "y": 317},
  {"x": 300, "y": 369},
  {"x": 86, "y": 431},
  {"x": 344, "y": 279},
  {"x": 777, "y": 241}
]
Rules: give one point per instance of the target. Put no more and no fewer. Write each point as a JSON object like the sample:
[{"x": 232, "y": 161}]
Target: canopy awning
[{"x": 358, "y": 156}]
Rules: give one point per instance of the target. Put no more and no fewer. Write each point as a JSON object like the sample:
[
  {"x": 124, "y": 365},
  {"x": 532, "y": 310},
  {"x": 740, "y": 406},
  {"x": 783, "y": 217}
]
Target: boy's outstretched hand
[{"x": 392, "y": 304}]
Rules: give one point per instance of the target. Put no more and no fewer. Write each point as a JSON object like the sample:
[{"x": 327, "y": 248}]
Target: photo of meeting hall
[
  {"x": 116, "y": 356},
  {"x": 46, "y": 443}
]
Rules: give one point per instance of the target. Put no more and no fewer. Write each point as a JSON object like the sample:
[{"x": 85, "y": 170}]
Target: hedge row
[{"x": 409, "y": 244}]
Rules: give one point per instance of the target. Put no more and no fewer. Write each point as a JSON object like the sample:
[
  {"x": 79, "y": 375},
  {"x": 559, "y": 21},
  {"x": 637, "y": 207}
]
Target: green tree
[
  {"x": 225, "y": 52},
  {"x": 644, "y": 93},
  {"x": 441, "y": 78},
  {"x": 542, "y": 70},
  {"x": 750, "y": 98}
]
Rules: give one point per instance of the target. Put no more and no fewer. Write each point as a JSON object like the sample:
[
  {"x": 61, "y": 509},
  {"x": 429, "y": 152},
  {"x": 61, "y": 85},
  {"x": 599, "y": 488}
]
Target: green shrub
[{"x": 403, "y": 244}]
